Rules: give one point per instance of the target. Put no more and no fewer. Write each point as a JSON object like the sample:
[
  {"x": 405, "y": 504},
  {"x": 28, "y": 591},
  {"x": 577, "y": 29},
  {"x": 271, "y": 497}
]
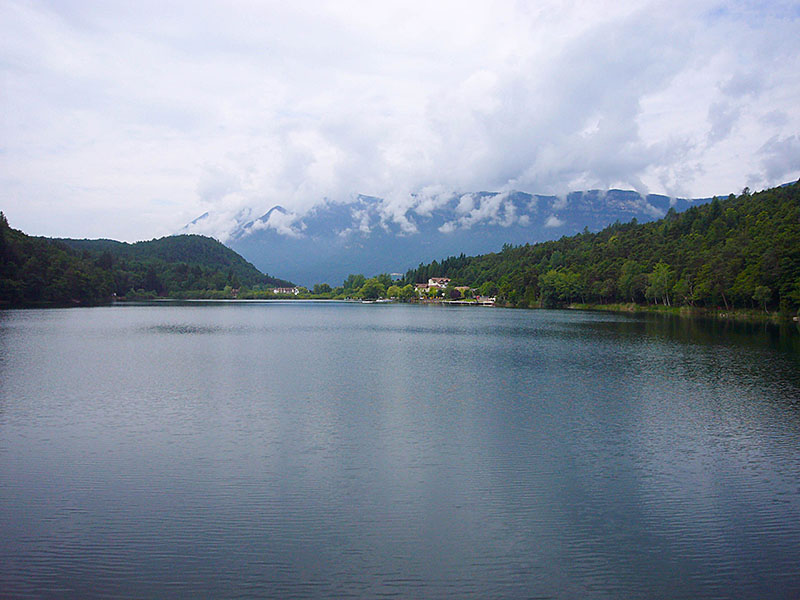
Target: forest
[
  {"x": 742, "y": 252},
  {"x": 738, "y": 252},
  {"x": 37, "y": 271}
]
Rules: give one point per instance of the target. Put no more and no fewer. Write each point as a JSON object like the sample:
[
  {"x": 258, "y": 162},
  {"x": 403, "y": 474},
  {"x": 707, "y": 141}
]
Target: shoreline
[
  {"x": 721, "y": 314},
  {"x": 733, "y": 314}
]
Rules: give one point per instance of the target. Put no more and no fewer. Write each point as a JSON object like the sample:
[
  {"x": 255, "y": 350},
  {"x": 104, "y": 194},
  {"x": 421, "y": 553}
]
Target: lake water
[{"x": 335, "y": 450}]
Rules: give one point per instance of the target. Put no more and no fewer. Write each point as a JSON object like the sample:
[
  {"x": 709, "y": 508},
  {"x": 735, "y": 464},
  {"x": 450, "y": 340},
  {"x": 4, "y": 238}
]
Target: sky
[{"x": 127, "y": 120}]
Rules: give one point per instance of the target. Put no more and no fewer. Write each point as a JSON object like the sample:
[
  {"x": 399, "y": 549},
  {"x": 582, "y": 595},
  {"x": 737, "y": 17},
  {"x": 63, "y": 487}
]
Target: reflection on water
[{"x": 340, "y": 450}]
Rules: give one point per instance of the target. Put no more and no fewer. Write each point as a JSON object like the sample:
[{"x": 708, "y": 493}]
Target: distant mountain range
[
  {"x": 737, "y": 253},
  {"x": 372, "y": 235}
]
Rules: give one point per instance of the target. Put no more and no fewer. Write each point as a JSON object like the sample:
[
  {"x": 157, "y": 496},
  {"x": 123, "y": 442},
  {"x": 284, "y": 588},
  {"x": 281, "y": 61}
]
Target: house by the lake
[
  {"x": 286, "y": 291},
  {"x": 438, "y": 282}
]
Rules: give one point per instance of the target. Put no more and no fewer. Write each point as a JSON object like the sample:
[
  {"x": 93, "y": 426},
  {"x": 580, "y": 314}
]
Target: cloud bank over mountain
[
  {"x": 371, "y": 235},
  {"x": 129, "y": 120}
]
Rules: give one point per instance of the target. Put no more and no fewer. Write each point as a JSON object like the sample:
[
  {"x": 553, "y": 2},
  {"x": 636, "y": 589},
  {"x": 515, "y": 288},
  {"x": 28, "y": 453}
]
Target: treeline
[
  {"x": 33, "y": 271},
  {"x": 356, "y": 286},
  {"x": 740, "y": 252},
  {"x": 42, "y": 271}
]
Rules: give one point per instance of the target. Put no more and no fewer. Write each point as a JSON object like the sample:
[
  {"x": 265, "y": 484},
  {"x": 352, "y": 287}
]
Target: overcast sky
[{"x": 129, "y": 119}]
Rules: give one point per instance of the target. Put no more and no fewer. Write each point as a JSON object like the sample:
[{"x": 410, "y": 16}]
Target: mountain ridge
[
  {"x": 742, "y": 252},
  {"x": 39, "y": 271},
  {"x": 372, "y": 235}
]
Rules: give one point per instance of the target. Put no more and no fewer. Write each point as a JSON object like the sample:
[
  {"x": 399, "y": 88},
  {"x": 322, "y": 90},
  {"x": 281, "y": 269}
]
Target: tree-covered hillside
[
  {"x": 741, "y": 252},
  {"x": 42, "y": 271},
  {"x": 180, "y": 263},
  {"x": 34, "y": 271}
]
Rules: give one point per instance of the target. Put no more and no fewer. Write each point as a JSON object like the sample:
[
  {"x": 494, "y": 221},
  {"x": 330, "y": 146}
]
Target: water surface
[{"x": 331, "y": 450}]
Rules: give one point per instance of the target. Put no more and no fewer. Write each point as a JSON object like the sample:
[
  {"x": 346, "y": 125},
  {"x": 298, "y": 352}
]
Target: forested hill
[
  {"x": 42, "y": 271},
  {"x": 172, "y": 252},
  {"x": 741, "y": 252}
]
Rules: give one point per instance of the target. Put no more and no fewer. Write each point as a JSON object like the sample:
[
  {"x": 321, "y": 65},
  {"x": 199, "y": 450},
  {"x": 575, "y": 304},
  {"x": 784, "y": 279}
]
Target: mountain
[
  {"x": 372, "y": 235},
  {"x": 191, "y": 250},
  {"x": 45, "y": 271},
  {"x": 741, "y": 252},
  {"x": 36, "y": 271}
]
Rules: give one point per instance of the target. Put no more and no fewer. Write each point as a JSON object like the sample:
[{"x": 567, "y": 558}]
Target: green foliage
[
  {"x": 762, "y": 295},
  {"x": 175, "y": 264},
  {"x": 322, "y": 288},
  {"x": 36, "y": 272},
  {"x": 559, "y": 286},
  {"x": 713, "y": 255},
  {"x": 488, "y": 288},
  {"x": 661, "y": 280},
  {"x": 372, "y": 289},
  {"x": 385, "y": 279},
  {"x": 451, "y": 293},
  {"x": 353, "y": 284},
  {"x": 407, "y": 293},
  {"x": 42, "y": 271}
]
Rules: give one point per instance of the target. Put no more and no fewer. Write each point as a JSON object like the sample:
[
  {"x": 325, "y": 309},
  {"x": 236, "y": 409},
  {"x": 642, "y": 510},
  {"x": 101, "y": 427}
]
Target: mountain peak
[{"x": 371, "y": 235}]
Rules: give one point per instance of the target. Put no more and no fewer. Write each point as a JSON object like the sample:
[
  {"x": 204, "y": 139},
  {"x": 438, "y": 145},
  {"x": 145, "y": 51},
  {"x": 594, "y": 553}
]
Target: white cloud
[
  {"x": 780, "y": 158},
  {"x": 284, "y": 222},
  {"x": 129, "y": 120},
  {"x": 553, "y": 221},
  {"x": 496, "y": 209},
  {"x": 722, "y": 118}
]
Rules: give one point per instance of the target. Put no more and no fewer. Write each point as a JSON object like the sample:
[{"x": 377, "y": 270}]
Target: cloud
[
  {"x": 283, "y": 222},
  {"x": 780, "y": 159},
  {"x": 215, "y": 184},
  {"x": 495, "y": 209},
  {"x": 743, "y": 84},
  {"x": 560, "y": 202},
  {"x": 130, "y": 120},
  {"x": 553, "y": 221},
  {"x": 394, "y": 209},
  {"x": 722, "y": 117}
]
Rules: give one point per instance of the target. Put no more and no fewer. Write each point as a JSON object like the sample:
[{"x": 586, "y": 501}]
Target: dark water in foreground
[{"x": 336, "y": 450}]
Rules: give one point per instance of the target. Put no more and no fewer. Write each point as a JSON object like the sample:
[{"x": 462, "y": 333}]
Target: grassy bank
[{"x": 735, "y": 314}]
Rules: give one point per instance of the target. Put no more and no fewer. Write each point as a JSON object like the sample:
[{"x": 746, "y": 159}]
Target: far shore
[{"x": 729, "y": 314}]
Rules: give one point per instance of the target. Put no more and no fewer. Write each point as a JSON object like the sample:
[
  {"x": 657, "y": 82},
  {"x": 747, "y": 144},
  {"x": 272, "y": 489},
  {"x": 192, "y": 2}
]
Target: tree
[
  {"x": 105, "y": 261},
  {"x": 372, "y": 289},
  {"x": 452, "y": 293},
  {"x": 385, "y": 279},
  {"x": 762, "y": 295},
  {"x": 489, "y": 288},
  {"x": 353, "y": 283},
  {"x": 713, "y": 254},
  {"x": 407, "y": 292},
  {"x": 3, "y": 227},
  {"x": 608, "y": 289},
  {"x": 152, "y": 283},
  {"x": 660, "y": 283},
  {"x": 632, "y": 281},
  {"x": 393, "y": 291},
  {"x": 562, "y": 285},
  {"x": 714, "y": 280},
  {"x": 322, "y": 288},
  {"x": 682, "y": 290}
]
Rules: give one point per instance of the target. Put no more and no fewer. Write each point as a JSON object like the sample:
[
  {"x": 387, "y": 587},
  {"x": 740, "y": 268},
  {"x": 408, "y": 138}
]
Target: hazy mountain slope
[
  {"x": 371, "y": 235},
  {"x": 741, "y": 252}
]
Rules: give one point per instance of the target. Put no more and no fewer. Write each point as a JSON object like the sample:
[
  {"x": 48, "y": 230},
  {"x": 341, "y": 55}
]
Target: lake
[{"x": 340, "y": 450}]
